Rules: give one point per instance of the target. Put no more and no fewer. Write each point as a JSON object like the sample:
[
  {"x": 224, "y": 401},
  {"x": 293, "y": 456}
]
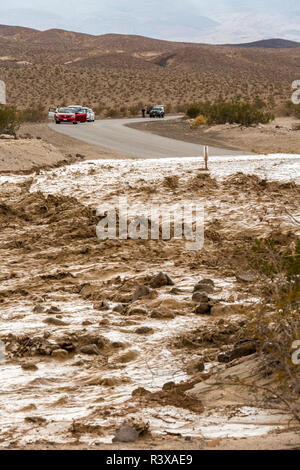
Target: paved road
[{"x": 113, "y": 134}]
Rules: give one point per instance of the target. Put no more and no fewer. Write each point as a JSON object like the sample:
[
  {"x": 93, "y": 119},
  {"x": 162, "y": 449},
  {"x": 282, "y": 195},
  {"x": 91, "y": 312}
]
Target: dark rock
[
  {"x": 200, "y": 297},
  {"x": 90, "y": 349},
  {"x": 53, "y": 310},
  {"x": 78, "y": 155},
  {"x": 35, "y": 419},
  {"x": 140, "y": 392},
  {"x": 29, "y": 366},
  {"x": 144, "y": 330},
  {"x": 38, "y": 309},
  {"x": 175, "y": 291},
  {"x": 245, "y": 349},
  {"x": 203, "y": 309},
  {"x": 55, "y": 321},
  {"x": 126, "y": 434},
  {"x": 140, "y": 291},
  {"x": 86, "y": 323},
  {"x": 160, "y": 280},
  {"x": 169, "y": 386},
  {"x": 205, "y": 285}
]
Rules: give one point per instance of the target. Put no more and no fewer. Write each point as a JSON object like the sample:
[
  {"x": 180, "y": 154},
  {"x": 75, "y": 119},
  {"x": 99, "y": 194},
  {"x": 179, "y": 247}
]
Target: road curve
[{"x": 113, "y": 134}]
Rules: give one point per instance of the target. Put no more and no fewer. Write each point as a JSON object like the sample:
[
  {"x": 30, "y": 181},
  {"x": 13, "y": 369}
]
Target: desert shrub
[
  {"x": 10, "y": 119},
  {"x": 34, "y": 115},
  {"x": 290, "y": 109},
  {"x": 237, "y": 112},
  {"x": 199, "y": 121},
  {"x": 111, "y": 113},
  {"x": 275, "y": 324},
  {"x": 134, "y": 110}
]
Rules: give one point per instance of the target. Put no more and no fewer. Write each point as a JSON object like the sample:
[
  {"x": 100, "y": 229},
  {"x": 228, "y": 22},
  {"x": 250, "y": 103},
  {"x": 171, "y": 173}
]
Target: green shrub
[
  {"x": 223, "y": 112},
  {"x": 10, "y": 119}
]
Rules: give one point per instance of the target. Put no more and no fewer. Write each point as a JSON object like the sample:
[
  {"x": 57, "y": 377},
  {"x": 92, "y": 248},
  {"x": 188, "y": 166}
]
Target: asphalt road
[{"x": 113, "y": 134}]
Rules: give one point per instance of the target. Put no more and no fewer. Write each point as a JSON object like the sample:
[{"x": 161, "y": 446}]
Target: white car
[
  {"x": 90, "y": 114},
  {"x": 51, "y": 113}
]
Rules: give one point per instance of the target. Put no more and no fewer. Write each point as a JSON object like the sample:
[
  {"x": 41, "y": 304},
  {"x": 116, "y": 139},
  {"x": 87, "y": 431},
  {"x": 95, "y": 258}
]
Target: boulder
[{"x": 160, "y": 280}]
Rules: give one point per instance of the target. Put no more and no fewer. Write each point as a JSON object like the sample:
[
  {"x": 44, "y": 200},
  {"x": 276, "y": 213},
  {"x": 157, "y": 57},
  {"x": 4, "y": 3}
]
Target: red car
[
  {"x": 81, "y": 115},
  {"x": 65, "y": 115}
]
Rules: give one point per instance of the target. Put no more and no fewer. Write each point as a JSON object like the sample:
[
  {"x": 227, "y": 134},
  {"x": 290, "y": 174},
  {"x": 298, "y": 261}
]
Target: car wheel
[{"x": 57, "y": 122}]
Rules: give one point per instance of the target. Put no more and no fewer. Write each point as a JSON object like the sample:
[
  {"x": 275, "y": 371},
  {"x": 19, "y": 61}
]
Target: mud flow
[{"x": 94, "y": 332}]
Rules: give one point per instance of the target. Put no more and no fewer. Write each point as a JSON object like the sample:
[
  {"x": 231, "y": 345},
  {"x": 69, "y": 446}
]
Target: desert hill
[{"x": 113, "y": 70}]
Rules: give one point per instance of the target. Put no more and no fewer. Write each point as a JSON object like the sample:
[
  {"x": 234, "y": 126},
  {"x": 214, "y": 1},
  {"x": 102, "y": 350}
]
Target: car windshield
[
  {"x": 65, "y": 110},
  {"x": 156, "y": 109}
]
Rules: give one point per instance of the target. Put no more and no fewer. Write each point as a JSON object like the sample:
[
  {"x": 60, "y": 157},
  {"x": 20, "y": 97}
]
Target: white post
[
  {"x": 206, "y": 157},
  {"x": 2, "y": 92}
]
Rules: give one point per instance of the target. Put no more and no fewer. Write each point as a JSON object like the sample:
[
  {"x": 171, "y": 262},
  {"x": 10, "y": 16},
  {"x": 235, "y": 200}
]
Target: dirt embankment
[
  {"x": 276, "y": 137},
  {"x": 95, "y": 335}
]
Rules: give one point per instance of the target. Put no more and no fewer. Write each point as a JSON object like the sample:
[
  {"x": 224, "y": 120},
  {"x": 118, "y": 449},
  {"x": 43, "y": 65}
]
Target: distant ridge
[{"x": 269, "y": 44}]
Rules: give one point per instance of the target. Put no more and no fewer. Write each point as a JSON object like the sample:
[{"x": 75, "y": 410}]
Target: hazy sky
[{"x": 219, "y": 21}]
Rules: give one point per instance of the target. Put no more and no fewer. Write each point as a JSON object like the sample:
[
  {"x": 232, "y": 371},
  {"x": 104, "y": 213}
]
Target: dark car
[{"x": 157, "y": 112}]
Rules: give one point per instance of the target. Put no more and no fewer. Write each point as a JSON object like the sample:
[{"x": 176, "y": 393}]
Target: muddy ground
[
  {"x": 93, "y": 335},
  {"x": 276, "y": 137}
]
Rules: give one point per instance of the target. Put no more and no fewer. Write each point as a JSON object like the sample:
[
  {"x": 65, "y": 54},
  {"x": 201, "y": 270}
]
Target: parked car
[
  {"x": 157, "y": 112},
  {"x": 81, "y": 115},
  {"x": 90, "y": 114},
  {"x": 65, "y": 115},
  {"x": 51, "y": 113}
]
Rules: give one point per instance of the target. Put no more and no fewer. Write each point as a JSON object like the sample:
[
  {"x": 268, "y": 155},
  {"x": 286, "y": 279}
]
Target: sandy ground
[
  {"x": 92, "y": 337},
  {"x": 260, "y": 139}
]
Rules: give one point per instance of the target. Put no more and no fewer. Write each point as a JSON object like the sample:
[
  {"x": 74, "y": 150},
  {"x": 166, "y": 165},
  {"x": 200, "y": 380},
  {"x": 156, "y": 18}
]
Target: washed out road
[{"x": 113, "y": 134}]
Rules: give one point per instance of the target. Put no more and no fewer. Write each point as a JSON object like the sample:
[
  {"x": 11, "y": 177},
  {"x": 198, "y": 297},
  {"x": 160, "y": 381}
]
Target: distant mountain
[{"x": 270, "y": 44}]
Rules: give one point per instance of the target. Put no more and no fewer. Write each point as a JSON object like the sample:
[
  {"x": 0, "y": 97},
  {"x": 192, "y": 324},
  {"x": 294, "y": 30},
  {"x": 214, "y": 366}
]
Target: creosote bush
[
  {"x": 222, "y": 112},
  {"x": 10, "y": 119}
]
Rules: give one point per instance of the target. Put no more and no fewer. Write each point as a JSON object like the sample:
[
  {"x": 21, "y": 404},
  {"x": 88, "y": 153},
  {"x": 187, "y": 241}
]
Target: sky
[{"x": 218, "y": 22}]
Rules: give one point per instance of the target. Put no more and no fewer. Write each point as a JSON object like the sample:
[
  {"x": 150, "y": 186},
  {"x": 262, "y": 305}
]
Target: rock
[
  {"x": 169, "y": 386},
  {"x": 205, "y": 285},
  {"x": 197, "y": 365},
  {"x": 29, "y": 366},
  {"x": 126, "y": 434},
  {"x": 175, "y": 291},
  {"x": 78, "y": 155},
  {"x": 203, "y": 309},
  {"x": 86, "y": 323},
  {"x": 140, "y": 291},
  {"x": 53, "y": 310},
  {"x": 60, "y": 354},
  {"x": 55, "y": 321},
  {"x": 118, "y": 308},
  {"x": 38, "y": 309},
  {"x": 160, "y": 280},
  {"x": 127, "y": 357},
  {"x": 162, "y": 315},
  {"x": 144, "y": 330},
  {"x": 35, "y": 419},
  {"x": 246, "y": 277},
  {"x": 140, "y": 392},
  {"x": 90, "y": 349},
  {"x": 136, "y": 310},
  {"x": 200, "y": 297},
  {"x": 244, "y": 349}
]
